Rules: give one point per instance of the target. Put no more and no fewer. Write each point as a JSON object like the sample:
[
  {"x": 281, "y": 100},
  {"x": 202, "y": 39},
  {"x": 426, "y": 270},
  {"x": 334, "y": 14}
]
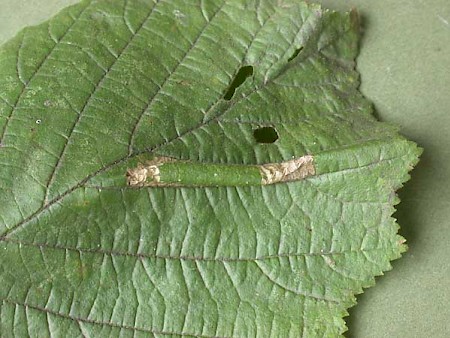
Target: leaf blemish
[
  {"x": 265, "y": 135},
  {"x": 239, "y": 79},
  {"x": 178, "y": 14},
  {"x": 296, "y": 52}
]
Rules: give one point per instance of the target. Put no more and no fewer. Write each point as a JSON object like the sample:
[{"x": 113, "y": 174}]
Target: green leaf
[{"x": 214, "y": 99}]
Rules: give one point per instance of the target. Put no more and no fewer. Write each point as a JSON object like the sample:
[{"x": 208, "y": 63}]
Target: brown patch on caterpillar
[
  {"x": 293, "y": 170},
  {"x": 145, "y": 173}
]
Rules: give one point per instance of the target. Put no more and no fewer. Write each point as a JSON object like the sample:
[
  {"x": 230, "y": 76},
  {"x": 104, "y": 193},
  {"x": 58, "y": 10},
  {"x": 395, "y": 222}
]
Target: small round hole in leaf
[{"x": 265, "y": 135}]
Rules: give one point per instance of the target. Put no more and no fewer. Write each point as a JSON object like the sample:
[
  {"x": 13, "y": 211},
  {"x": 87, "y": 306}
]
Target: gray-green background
[{"x": 405, "y": 69}]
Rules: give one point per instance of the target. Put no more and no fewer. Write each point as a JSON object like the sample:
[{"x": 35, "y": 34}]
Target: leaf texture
[{"x": 105, "y": 85}]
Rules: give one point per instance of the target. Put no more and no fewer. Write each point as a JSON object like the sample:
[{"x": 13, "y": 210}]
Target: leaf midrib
[
  {"x": 187, "y": 257},
  {"x": 81, "y": 184}
]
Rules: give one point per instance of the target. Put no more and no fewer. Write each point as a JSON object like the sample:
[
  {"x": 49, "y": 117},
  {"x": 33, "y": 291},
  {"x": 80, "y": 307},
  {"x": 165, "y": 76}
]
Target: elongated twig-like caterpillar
[{"x": 166, "y": 171}]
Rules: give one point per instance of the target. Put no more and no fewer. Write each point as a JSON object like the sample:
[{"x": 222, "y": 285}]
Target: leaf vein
[
  {"x": 78, "y": 119},
  {"x": 296, "y": 292},
  {"x": 100, "y": 322},
  {"x": 38, "y": 68},
  {"x": 168, "y": 77},
  {"x": 180, "y": 257}
]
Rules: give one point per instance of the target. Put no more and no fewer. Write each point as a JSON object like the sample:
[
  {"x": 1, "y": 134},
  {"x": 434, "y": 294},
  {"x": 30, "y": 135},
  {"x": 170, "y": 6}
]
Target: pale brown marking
[
  {"x": 292, "y": 170},
  {"x": 146, "y": 174}
]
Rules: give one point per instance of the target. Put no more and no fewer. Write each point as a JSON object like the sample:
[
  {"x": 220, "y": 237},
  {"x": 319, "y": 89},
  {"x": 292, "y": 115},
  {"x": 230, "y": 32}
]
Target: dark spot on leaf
[
  {"x": 265, "y": 135},
  {"x": 239, "y": 79},
  {"x": 294, "y": 55}
]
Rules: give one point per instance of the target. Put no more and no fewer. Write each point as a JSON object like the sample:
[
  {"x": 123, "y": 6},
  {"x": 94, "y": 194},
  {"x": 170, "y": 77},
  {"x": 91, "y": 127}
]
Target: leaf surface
[{"x": 226, "y": 85}]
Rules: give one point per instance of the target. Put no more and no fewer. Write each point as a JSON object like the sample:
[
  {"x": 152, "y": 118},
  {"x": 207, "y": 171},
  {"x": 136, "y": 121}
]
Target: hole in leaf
[
  {"x": 239, "y": 79},
  {"x": 294, "y": 55},
  {"x": 265, "y": 135}
]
